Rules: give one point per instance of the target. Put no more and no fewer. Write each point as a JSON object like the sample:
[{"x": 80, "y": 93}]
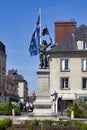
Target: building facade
[
  {"x": 23, "y": 90},
  {"x": 68, "y": 68},
  {"x": 11, "y": 90},
  {"x": 13, "y": 87},
  {"x": 22, "y": 85},
  {"x": 2, "y": 68}
]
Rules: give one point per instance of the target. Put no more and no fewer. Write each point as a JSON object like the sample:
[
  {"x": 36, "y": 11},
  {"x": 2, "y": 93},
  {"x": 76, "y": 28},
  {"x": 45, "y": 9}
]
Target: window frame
[
  {"x": 64, "y": 83},
  {"x": 84, "y": 78},
  {"x": 64, "y": 66},
  {"x": 84, "y": 65}
]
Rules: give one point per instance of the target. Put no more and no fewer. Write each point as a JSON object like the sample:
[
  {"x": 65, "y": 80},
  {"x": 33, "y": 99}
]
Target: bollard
[
  {"x": 13, "y": 112},
  {"x": 72, "y": 114}
]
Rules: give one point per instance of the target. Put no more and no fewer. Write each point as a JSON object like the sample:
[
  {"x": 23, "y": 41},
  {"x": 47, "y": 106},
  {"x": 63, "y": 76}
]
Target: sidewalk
[
  {"x": 16, "y": 119},
  {"x": 25, "y": 116}
]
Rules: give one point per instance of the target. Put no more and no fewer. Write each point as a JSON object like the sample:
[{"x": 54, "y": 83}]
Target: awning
[
  {"x": 83, "y": 97},
  {"x": 66, "y": 96}
]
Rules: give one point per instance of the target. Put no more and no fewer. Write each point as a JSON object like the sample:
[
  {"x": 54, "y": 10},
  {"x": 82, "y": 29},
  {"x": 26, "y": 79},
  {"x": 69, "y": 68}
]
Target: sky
[{"x": 17, "y": 23}]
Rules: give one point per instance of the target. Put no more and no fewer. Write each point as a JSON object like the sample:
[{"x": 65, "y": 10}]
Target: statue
[{"x": 43, "y": 54}]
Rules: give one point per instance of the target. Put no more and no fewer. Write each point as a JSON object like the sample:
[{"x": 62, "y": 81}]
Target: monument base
[
  {"x": 43, "y": 104},
  {"x": 42, "y": 110}
]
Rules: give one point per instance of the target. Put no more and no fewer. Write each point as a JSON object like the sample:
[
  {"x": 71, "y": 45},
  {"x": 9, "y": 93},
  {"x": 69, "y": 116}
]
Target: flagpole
[{"x": 40, "y": 25}]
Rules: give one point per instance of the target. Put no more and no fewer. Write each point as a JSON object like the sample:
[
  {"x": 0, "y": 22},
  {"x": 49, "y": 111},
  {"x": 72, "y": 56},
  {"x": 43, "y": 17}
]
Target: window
[
  {"x": 84, "y": 65},
  {"x": 64, "y": 65},
  {"x": 84, "y": 83},
  {"x": 64, "y": 83},
  {"x": 84, "y": 45}
]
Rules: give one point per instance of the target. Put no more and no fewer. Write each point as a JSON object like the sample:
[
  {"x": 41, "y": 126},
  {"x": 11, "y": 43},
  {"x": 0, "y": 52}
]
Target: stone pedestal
[
  {"x": 43, "y": 102},
  {"x": 43, "y": 84}
]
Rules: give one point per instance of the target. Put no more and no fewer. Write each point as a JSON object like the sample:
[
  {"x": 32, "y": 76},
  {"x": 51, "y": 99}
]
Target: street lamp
[
  {"x": 55, "y": 95},
  {"x": 55, "y": 105}
]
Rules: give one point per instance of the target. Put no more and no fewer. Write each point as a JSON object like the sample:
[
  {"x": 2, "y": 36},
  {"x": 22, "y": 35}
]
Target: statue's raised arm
[{"x": 43, "y": 54}]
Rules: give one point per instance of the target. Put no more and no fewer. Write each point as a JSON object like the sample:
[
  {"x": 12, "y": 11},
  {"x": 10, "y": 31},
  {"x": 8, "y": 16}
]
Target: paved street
[{"x": 25, "y": 116}]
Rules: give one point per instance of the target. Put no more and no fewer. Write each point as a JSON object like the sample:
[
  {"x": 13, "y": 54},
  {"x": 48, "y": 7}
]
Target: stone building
[
  {"x": 22, "y": 85},
  {"x": 11, "y": 90},
  {"x": 68, "y": 68},
  {"x": 2, "y": 68}
]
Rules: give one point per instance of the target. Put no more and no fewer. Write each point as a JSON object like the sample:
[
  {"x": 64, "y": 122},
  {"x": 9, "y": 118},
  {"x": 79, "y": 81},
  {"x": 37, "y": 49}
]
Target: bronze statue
[{"x": 43, "y": 54}]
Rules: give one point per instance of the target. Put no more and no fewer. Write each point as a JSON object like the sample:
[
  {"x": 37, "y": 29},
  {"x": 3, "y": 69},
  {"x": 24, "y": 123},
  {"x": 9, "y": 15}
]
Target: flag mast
[{"x": 40, "y": 24}]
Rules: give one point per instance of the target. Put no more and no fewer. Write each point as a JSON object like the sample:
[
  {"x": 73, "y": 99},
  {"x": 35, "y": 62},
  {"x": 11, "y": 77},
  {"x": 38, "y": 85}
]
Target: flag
[
  {"x": 45, "y": 31},
  {"x": 35, "y": 40}
]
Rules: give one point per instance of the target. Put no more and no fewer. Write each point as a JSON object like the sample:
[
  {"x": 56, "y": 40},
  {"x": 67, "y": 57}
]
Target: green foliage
[
  {"x": 5, "y": 123},
  {"x": 83, "y": 105},
  {"x": 49, "y": 123},
  {"x": 6, "y": 108},
  {"x": 81, "y": 125},
  {"x": 64, "y": 123},
  {"x": 78, "y": 112},
  {"x": 2, "y": 107},
  {"x": 35, "y": 122},
  {"x": 16, "y": 108}
]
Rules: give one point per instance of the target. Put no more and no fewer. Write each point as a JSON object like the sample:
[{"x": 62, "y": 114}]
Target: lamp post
[{"x": 55, "y": 102}]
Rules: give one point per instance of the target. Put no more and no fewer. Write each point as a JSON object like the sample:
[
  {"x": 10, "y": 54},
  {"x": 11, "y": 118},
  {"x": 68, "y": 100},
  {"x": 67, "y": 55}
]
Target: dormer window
[{"x": 84, "y": 45}]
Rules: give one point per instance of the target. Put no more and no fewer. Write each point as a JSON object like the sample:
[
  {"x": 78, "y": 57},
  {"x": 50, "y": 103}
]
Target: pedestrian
[
  {"x": 27, "y": 106},
  {"x": 31, "y": 107}
]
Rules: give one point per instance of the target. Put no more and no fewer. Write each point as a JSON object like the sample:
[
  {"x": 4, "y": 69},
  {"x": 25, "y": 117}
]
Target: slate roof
[
  {"x": 69, "y": 43},
  {"x": 81, "y": 32},
  {"x": 14, "y": 75}
]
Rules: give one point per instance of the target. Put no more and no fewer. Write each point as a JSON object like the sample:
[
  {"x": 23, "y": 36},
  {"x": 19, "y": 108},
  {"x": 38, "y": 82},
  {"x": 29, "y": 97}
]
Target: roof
[
  {"x": 69, "y": 43},
  {"x": 15, "y": 76},
  {"x": 81, "y": 32}
]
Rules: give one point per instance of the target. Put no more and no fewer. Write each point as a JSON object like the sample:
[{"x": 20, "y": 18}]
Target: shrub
[
  {"x": 5, "y": 123},
  {"x": 8, "y": 108},
  {"x": 52, "y": 124},
  {"x": 2, "y": 108},
  {"x": 81, "y": 125},
  {"x": 78, "y": 112},
  {"x": 16, "y": 108},
  {"x": 47, "y": 122}
]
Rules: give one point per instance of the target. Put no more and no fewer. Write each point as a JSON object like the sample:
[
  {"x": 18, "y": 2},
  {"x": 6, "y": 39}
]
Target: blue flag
[{"x": 35, "y": 40}]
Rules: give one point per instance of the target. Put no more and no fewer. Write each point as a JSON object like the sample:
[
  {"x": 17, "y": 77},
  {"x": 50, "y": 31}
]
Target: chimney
[{"x": 63, "y": 29}]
